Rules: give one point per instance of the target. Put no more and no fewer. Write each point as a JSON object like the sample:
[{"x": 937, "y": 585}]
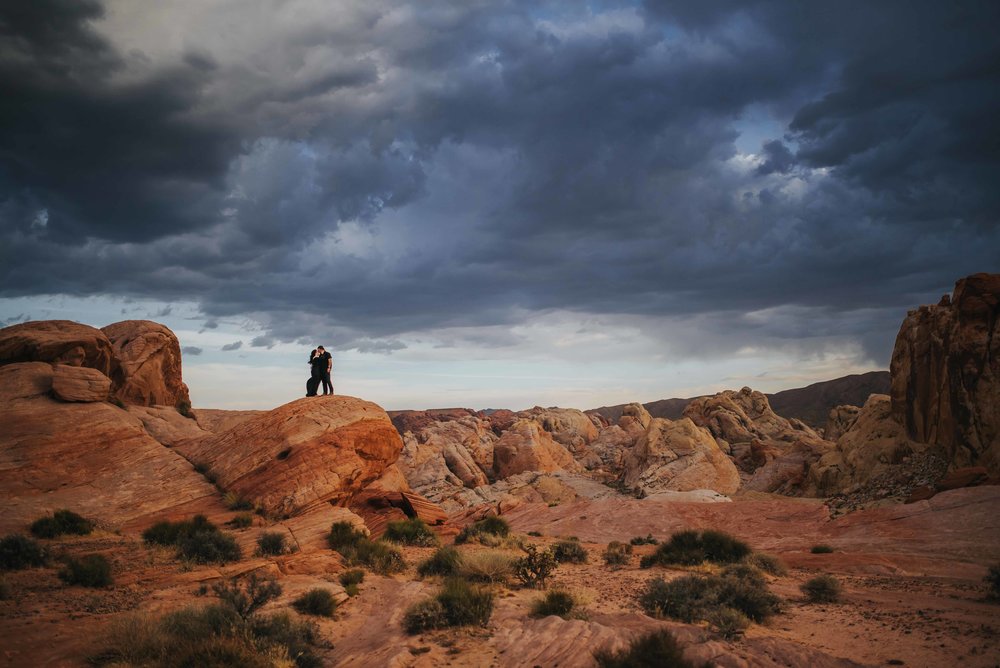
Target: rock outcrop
[
  {"x": 525, "y": 446},
  {"x": 150, "y": 357},
  {"x": 679, "y": 456},
  {"x": 740, "y": 417},
  {"x": 60, "y": 342},
  {"x": 79, "y": 383},
  {"x": 304, "y": 454},
  {"x": 946, "y": 373},
  {"x": 839, "y": 420}
]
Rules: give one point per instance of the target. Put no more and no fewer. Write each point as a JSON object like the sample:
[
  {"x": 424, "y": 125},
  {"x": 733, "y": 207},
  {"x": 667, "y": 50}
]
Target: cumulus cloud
[{"x": 365, "y": 172}]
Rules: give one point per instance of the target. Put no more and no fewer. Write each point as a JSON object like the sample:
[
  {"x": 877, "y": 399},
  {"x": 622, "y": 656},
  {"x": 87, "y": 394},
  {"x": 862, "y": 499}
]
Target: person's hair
[{"x": 320, "y": 348}]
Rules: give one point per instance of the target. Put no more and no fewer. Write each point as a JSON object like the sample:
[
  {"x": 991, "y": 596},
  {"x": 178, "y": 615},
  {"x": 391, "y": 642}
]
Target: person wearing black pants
[{"x": 325, "y": 365}]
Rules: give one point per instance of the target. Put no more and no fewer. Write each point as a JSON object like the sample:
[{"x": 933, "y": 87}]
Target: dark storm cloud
[
  {"x": 384, "y": 170},
  {"x": 229, "y": 347},
  {"x": 191, "y": 350}
]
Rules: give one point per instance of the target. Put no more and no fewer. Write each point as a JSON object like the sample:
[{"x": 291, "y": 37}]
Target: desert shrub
[
  {"x": 5, "y": 590},
  {"x": 445, "y": 561},
  {"x": 246, "y": 597},
  {"x": 412, "y": 531},
  {"x": 486, "y": 566},
  {"x": 197, "y": 540},
  {"x": 569, "y": 551},
  {"x": 821, "y": 549},
  {"x": 465, "y": 604},
  {"x": 17, "y": 552},
  {"x": 317, "y": 601},
  {"x": 766, "y": 562},
  {"x": 728, "y": 623},
  {"x": 693, "y": 597},
  {"x": 424, "y": 616},
  {"x": 617, "y": 554},
  {"x": 555, "y": 602},
  {"x": 184, "y": 408},
  {"x": 535, "y": 534},
  {"x": 61, "y": 522},
  {"x": 992, "y": 581},
  {"x": 297, "y": 638},
  {"x": 648, "y": 540},
  {"x": 821, "y": 589},
  {"x": 235, "y": 501},
  {"x": 92, "y": 570},
  {"x": 352, "y": 577},
  {"x": 491, "y": 525},
  {"x": 271, "y": 543},
  {"x": 535, "y": 567},
  {"x": 344, "y": 534},
  {"x": 241, "y": 521},
  {"x": 659, "y": 649},
  {"x": 358, "y": 550},
  {"x": 689, "y": 548}
]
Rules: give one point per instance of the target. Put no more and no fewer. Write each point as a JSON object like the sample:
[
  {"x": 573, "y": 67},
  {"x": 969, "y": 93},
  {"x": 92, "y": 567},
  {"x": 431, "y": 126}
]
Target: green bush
[
  {"x": 92, "y": 570},
  {"x": 184, "y": 408},
  {"x": 535, "y": 567},
  {"x": 197, "y": 540},
  {"x": 617, "y": 554},
  {"x": 690, "y": 548},
  {"x": 683, "y": 598},
  {"x": 352, "y": 577},
  {"x": 728, "y": 623},
  {"x": 17, "y": 552},
  {"x": 658, "y": 649},
  {"x": 992, "y": 581},
  {"x": 555, "y": 602},
  {"x": 241, "y": 521},
  {"x": 61, "y": 522},
  {"x": 317, "y": 601},
  {"x": 822, "y": 589},
  {"x": 488, "y": 526},
  {"x": 272, "y": 543},
  {"x": 821, "y": 549},
  {"x": 358, "y": 550},
  {"x": 424, "y": 616},
  {"x": 639, "y": 540},
  {"x": 694, "y": 597},
  {"x": 344, "y": 534},
  {"x": 767, "y": 562},
  {"x": 246, "y": 597},
  {"x": 569, "y": 551},
  {"x": 297, "y": 638},
  {"x": 445, "y": 561},
  {"x": 412, "y": 531}
]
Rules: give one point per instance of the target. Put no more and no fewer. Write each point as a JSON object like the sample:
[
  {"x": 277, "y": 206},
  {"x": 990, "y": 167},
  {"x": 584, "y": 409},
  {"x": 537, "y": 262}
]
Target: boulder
[
  {"x": 525, "y": 446},
  {"x": 639, "y": 413},
  {"x": 309, "y": 452},
  {"x": 946, "y": 373},
  {"x": 740, "y": 417},
  {"x": 443, "y": 455},
  {"x": 60, "y": 342},
  {"x": 679, "y": 456},
  {"x": 569, "y": 427},
  {"x": 150, "y": 356},
  {"x": 79, "y": 383},
  {"x": 839, "y": 421}
]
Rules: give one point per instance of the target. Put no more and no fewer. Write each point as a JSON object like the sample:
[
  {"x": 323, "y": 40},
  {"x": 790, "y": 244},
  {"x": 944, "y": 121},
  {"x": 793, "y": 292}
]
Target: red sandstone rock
[
  {"x": 528, "y": 447},
  {"x": 306, "y": 453},
  {"x": 150, "y": 357},
  {"x": 79, "y": 383},
  {"x": 679, "y": 456},
  {"x": 60, "y": 342},
  {"x": 218, "y": 421},
  {"x": 946, "y": 373}
]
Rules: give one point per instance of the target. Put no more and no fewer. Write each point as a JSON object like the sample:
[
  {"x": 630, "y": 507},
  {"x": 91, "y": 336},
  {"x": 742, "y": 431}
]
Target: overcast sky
[{"x": 498, "y": 203}]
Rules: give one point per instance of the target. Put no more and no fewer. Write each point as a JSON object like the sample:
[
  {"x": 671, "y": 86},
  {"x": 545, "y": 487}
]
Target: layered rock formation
[
  {"x": 150, "y": 357},
  {"x": 679, "y": 456},
  {"x": 60, "y": 342},
  {"x": 946, "y": 373},
  {"x": 302, "y": 455},
  {"x": 526, "y": 446},
  {"x": 79, "y": 383}
]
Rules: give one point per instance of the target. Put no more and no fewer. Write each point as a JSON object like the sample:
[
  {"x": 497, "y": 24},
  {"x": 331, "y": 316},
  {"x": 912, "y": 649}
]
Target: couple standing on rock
[{"x": 321, "y": 363}]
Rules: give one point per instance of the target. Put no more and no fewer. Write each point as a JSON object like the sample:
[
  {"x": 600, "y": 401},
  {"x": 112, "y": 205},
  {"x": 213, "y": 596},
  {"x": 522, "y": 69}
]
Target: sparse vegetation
[
  {"x": 487, "y": 566},
  {"x": 659, "y": 649},
  {"x": 457, "y": 604},
  {"x": 358, "y": 550},
  {"x": 767, "y": 563},
  {"x": 272, "y": 543},
  {"x": 241, "y": 521},
  {"x": 445, "y": 561},
  {"x": 535, "y": 534},
  {"x": 821, "y": 549},
  {"x": 728, "y": 623},
  {"x": 569, "y": 551},
  {"x": 555, "y": 602},
  {"x": 822, "y": 589},
  {"x": 248, "y": 596},
  {"x": 413, "y": 531},
  {"x": 317, "y": 601},
  {"x": 992, "y": 581},
  {"x": 491, "y": 526},
  {"x": 92, "y": 570},
  {"x": 184, "y": 408},
  {"x": 695, "y": 597},
  {"x": 5, "y": 590},
  {"x": 235, "y": 501},
  {"x": 690, "y": 548},
  {"x": 17, "y": 552},
  {"x": 617, "y": 554},
  {"x": 350, "y": 580},
  {"x": 648, "y": 540},
  {"x": 535, "y": 567},
  {"x": 60, "y": 523},
  {"x": 197, "y": 540}
]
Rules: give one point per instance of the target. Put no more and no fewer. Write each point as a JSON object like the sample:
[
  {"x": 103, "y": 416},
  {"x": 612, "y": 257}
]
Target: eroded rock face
[
  {"x": 150, "y": 357},
  {"x": 448, "y": 454},
  {"x": 79, "y": 383},
  {"x": 740, "y": 417},
  {"x": 839, "y": 421},
  {"x": 946, "y": 373},
  {"x": 60, "y": 342},
  {"x": 569, "y": 427},
  {"x": 306, "y": 453},
  {"x": 525, "y": 446},
  {"x": 679, "y": 456}
]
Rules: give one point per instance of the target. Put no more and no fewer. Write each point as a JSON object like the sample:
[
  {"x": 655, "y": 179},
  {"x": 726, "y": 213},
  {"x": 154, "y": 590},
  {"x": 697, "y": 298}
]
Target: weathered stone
[
  {"x": 528, "y": 447},
  {"x": 60, "y": 342},
  {"x": 679, "y": 456},
  {"x": 150, "y": 356},
  {"x": 79, "y": 383},
  {"x": 839, "y": 421}
]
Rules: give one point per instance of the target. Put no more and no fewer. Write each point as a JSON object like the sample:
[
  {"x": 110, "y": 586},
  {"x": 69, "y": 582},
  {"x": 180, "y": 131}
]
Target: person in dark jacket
[
  {"x": 326, "y": 367},
  {"x": 316, "y": 373}
]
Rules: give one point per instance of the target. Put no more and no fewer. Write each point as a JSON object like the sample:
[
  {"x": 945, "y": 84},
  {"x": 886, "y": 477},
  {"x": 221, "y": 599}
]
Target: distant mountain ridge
[{"x": 811, "y": 404}]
